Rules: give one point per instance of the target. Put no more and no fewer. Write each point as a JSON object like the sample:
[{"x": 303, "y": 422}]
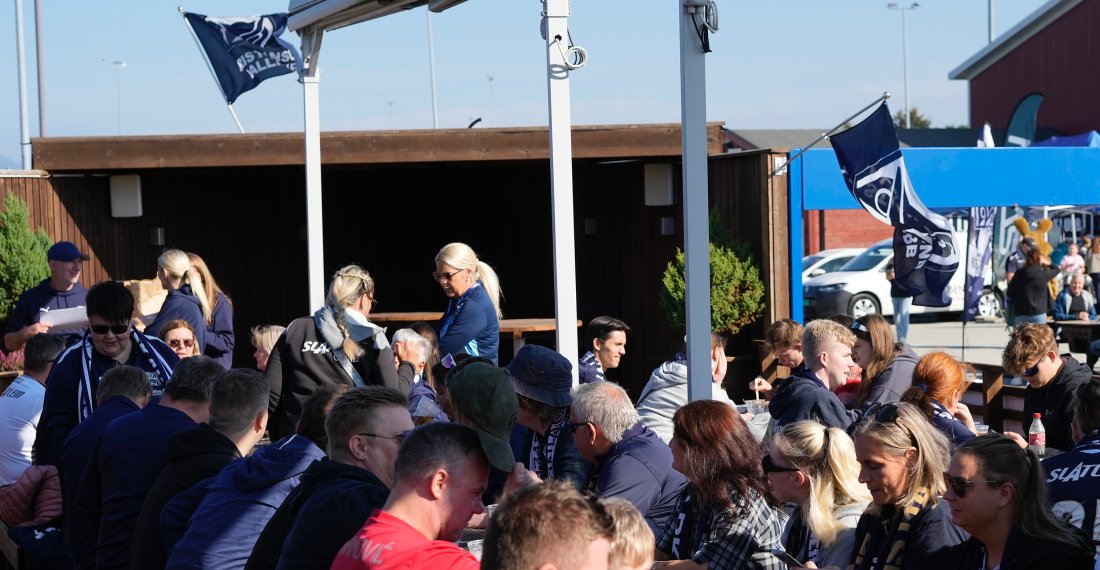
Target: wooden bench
[{"x": 13, "y": 554}]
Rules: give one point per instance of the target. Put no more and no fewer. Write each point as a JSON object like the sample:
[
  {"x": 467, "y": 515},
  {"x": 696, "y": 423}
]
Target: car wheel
[
  {"x": 989, "y": 304},
  {"x": 863, "y": 304}
]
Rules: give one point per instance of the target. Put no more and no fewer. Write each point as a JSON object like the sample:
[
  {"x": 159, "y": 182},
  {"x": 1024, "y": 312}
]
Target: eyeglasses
[
  {"x": 770, "y": 466},
  {"x": 185, "y": 342},
  {"x": 573, "y": 427},
  {"x": 958, "y": 485},
  {"x": 399, "y": 437},
  {"x": 102, "y": 329},
  {"x": 446, "y": 276}
]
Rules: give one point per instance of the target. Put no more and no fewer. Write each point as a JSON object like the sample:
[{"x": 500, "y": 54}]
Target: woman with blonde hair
[
  {"x": 902, "y": 459},
  {"x": 939, "y": 383},
  {"x": 219, "y": 325},
  {"x": 814, "y": 467},
  {"x": 471, "y": 323},
  {"x": 180, "y": 337},
  {"x": 337, "y": 345},
  {"x": 887, "y": 364},
  {"x": 186, "y": 300},
  {"x": 264, "y": 338},
  {"x": 997, "y": 492}
]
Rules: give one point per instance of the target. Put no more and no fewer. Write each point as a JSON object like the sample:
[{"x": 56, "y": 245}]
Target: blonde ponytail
[{"x": 178, "y": 265}]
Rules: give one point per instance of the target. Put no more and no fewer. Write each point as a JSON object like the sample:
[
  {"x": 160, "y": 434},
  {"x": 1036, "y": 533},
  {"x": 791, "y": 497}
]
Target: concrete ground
[{"x": 985, "y": 341}]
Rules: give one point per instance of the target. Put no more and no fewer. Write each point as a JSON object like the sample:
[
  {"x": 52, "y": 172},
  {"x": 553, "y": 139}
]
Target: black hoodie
[
  {"x": 804, "y": 397},
  {"x": 191, "y": 456},
  {"x": 318, "y": 517},
  {"x": 1055, "y": 402}
]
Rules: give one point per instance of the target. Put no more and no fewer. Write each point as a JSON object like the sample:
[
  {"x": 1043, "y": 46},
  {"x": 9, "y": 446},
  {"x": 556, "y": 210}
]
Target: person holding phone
[{"x": 815, "y": 468}]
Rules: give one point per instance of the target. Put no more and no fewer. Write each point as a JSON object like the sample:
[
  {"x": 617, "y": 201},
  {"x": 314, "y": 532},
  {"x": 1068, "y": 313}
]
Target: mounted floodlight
[{"x": 333, "y": 14}]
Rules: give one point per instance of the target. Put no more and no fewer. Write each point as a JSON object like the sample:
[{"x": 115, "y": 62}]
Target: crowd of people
[{"x": 414, "y": 449}]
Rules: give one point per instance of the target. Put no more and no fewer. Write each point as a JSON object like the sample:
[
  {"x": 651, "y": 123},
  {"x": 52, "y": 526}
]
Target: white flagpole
[{"x": 211, "y": 68}]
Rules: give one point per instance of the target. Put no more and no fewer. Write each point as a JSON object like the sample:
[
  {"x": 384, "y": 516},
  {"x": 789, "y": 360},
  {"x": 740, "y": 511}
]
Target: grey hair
[
  {"x": 409, "y": 336},
  {"x": 606, "y": 405}
]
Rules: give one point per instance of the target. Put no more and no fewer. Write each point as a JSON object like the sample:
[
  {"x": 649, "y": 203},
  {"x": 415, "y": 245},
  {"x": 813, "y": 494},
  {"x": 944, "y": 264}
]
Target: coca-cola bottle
[{"x": 1037, "y": 435}]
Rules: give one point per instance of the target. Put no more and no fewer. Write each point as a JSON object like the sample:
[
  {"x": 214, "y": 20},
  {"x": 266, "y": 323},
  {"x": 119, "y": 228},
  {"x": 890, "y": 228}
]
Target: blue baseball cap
[
  {"x": 543, "y": 375},
  {"x": 65, "y": 251}
]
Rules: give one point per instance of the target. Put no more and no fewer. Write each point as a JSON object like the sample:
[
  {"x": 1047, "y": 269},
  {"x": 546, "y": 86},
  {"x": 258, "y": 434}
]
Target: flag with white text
[
  {"x": 244, "y": 51},
  {"x": 979, "y": 249},
  {"x": 925, "y": 255}
]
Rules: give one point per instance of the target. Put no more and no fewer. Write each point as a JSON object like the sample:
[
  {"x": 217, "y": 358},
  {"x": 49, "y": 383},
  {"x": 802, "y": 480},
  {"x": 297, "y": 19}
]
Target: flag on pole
[
  {"x": 979, "y": 250},
  {"x": 925, "y": 255},
  {"x": 986, "y": 140},
  {"x": 244, "y": 51}
]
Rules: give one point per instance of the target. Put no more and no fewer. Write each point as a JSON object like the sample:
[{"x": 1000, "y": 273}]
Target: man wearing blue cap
[{"x": 62, "y": 290}]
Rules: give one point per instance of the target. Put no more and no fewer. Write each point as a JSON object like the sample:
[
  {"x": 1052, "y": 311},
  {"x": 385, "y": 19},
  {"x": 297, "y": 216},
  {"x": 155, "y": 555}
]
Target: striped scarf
[
  {"x": 896, "y": 531},
  {"x": 85, "y": 393}
]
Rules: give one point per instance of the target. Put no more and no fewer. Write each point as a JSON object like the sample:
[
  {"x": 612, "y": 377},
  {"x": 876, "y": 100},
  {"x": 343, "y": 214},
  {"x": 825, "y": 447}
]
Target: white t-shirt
[{"x": 20, "y": 408}]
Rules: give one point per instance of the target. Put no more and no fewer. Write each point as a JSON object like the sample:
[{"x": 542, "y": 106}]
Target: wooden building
[{"x": 392, "y": 199}]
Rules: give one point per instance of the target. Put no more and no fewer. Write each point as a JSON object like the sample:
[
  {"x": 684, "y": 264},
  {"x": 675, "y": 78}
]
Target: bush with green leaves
[
  {"x": 736, "y": 289},
  {"x": 22, "y": 254}
]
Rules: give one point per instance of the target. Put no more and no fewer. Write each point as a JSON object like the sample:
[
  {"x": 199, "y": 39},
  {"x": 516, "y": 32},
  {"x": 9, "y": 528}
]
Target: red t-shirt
[{"x": 386, "y": 541}]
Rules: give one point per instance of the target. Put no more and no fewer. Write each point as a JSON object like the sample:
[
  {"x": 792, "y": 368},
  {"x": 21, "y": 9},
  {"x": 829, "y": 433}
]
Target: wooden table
[{"x": 519, "y": 327}]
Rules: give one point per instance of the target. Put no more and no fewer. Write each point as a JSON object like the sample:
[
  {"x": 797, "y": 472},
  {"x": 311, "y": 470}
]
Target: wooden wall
[{"x": 248, "y": 223}]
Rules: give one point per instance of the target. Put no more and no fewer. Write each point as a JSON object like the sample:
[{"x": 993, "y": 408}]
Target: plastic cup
[
  {"x": 756, "y": 407},
  {"x": 981, "y": 429}
]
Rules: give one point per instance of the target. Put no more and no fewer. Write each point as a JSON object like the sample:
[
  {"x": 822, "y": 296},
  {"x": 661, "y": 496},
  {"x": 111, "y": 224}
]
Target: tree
[
  {"x": 736, "y": 289},
  {"x": 916, "y": 120},
  {"x": 22, "y": 253}
]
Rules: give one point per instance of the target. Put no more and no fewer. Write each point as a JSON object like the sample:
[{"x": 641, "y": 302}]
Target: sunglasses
[
  {"x": 770, "y": 466},
  {"x": 858, "y": 326},
  {"x": 958, "y": 485},
  {"x": 116, "y": 329},
  {"x": 573, "y": 427},
  {"x": 1031, "y": 371},
  {"x": 185, "y": 342},
  {"x": 399, "y": 437},
  {"x": 436, "y": 276}
]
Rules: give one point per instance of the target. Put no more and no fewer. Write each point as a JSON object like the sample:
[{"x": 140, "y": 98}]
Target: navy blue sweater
[
  {"x": 470, "y": 325},
  {"x": 41, "y": 298},
  {"x": 180, "y": 304},
  {"x": 221, "y": 519},
  {"x": 804, "y": 397},
  {"x": 80, "y": 445},
  {"x": 219, "y": 333}
]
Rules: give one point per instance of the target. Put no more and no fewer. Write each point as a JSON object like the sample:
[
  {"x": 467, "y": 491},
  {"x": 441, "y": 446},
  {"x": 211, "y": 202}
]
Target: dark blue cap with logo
[{"x": 65, "y": 251}]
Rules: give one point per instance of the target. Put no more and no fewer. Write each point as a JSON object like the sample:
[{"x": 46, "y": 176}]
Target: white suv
[{"x": 860, "y": 288}]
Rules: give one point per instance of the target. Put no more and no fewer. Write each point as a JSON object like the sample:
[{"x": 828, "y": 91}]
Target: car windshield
[
  {"x": 809, "y": 260},
  {"x": 870, "y": 258}
]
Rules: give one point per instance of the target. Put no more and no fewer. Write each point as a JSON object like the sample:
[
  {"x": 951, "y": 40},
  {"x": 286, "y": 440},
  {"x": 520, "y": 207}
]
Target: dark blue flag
[
  {"x": 979, "y": 248},
  {"x": 244, "y": 51},
  {"x": 925, "y": 256}
]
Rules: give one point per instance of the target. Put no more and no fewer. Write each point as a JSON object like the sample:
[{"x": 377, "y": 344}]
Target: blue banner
[
  {"x": 244, "y": 51},
  {"x": 925, "y": 255},
  {"x": 979, "y": 249}
]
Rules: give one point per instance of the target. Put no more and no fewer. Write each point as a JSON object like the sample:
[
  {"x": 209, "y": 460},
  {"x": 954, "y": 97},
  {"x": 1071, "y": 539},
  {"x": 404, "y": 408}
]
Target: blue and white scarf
[{"x": 85, "y": 393}]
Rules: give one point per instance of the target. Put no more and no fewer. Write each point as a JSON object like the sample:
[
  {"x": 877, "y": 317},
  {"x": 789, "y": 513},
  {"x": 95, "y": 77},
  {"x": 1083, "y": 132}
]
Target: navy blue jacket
[
  {"x": 78, "y": 451},
  {"x": 944, "y": 421},
  {"x": 1022, "y": 552},
  {"x": 128, "y": 459},
  {"x": 180, "y": 304},
  {"x": 804, "y": 397},
  {"x": 192, "y": 456},
  {"x": 639, "y": 469},
  {"x": 34, "y": 301},
  {"x": 60, "y": 412},
  {"x": 470, "y": 325},
  {"x": 219, "y": 333},
  {"x": 932, "y": 538},
  {"x": 1073, "y": 482},
  {"x": 567, "y": 462},
  {"x": 1055, "y": 402},
  {"x": 324, "y": 512},
  {"x": 216, "y": 523}
]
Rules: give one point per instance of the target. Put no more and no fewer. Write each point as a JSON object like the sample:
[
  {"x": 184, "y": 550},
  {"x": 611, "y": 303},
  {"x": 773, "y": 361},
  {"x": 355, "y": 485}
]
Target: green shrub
[
  {"x": 22, "y": 254},
  {"x": 736, "y": 289}
]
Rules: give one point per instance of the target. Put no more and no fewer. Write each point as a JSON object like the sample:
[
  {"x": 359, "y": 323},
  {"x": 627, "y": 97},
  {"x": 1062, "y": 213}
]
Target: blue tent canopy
[{"x": 1089, "y": 139}]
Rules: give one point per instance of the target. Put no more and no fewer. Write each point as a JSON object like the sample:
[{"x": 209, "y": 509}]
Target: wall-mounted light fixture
[
  {"x": 590, "y": 226},
  {"x": 156, "y": 237},
  {"x": 668, "y": 226}
]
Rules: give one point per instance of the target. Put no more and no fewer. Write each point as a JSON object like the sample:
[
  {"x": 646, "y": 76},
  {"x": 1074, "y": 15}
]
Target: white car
[
  {"x": 827, "y": 261},
  {"x": 860, "y": 288}
]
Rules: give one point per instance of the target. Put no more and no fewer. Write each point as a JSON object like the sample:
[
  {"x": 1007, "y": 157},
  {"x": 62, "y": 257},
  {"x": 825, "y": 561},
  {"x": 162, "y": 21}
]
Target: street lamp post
[
  {"x": 118, "y": 90},
  {"x": 492, "y": 103},
  {"x": 904, "y": 50}
]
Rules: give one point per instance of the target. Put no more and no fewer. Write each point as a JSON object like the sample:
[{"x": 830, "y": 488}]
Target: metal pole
[
  {"x": 693, "y": 118},
  {"x": 990, "y": 21},
  {"x": 315, "y": 235},
  {"x": 431, "y": 70},
  {"x": 905, "y": 62},
  {"x": 38, "y": 60},
  {"x": 118, "y": 91},
  {"x": 21, "y": 57},
  {"x": 827, "y": 133},
  {"x": 492, "y": 102},
  {"x": 556, "y": 15}
]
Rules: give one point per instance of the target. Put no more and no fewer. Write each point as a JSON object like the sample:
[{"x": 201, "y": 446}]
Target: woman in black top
[{"x": 1028, "y": 289}]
